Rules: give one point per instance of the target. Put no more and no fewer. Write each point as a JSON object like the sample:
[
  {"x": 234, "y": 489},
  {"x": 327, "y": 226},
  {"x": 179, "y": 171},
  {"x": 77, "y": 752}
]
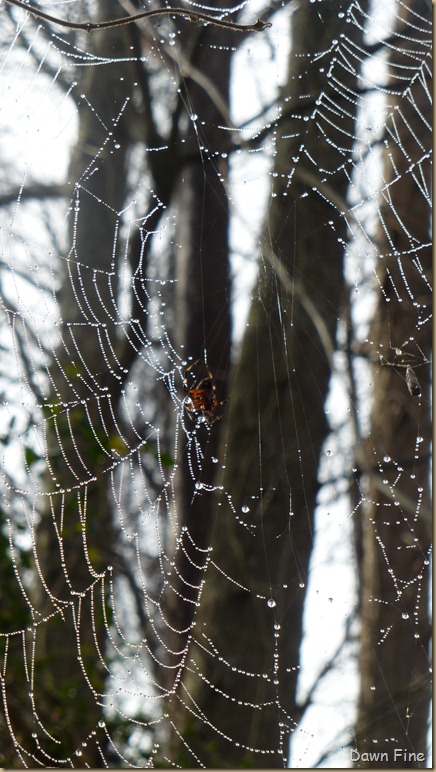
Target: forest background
[{"x": 216, "y": 368}]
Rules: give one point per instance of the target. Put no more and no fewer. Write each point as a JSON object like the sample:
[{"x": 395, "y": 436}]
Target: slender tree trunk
[
  {"x": 394, "y": 660},
  {"x": 252, "y": 607},
  {"x": 75, "y": 537},
  {"x": 203, "y": 329}
]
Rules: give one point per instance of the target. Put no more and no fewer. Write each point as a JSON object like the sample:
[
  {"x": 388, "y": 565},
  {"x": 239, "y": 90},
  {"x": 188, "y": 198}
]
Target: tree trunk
[
  {"x": 75, "y": 537},
  {"x": 394, "y": 661},
  {"x": 239, "y": 686},
  {"x": 203, "y": 330}
]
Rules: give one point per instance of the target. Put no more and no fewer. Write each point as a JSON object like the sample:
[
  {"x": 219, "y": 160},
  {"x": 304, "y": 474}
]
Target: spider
[{"x": 201, "y": 397}]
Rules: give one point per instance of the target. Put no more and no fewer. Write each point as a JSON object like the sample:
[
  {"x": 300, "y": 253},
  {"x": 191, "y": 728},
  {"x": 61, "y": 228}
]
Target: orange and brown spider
[{"x": 201, "y": 397}]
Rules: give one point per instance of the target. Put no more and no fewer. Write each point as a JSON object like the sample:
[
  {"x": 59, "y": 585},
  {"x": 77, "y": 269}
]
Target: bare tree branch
[
  {"x": 328, "y": 666},
  {"x": 38, "y": 191},
  {"x": 192, "y": 16}
]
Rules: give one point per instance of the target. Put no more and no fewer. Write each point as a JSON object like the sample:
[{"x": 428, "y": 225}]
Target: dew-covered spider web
[{"x": 215, "y": 416}]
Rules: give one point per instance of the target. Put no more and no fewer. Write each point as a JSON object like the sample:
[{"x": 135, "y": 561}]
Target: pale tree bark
[
  {"x": 252, "y": 607},
  {"x": 396, "y": 524}
]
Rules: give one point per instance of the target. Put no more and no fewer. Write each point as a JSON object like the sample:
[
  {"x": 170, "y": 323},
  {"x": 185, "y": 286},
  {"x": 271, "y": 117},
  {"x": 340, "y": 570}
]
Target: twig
[
  {"x": 188, "y": 70},
  {"x": 192, "y": 16},
  {"x": 328, "y": 666},
  {"x": 34, "y": 191}
]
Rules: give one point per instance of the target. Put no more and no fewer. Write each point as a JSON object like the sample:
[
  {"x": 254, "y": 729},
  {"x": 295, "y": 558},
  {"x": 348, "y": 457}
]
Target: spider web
[{"x": 101, "y": 565}]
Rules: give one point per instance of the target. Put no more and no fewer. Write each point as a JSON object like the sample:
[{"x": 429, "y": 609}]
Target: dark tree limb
[
  {"x": 89, "y": 26},
  {"x": 34, "y": 191}
]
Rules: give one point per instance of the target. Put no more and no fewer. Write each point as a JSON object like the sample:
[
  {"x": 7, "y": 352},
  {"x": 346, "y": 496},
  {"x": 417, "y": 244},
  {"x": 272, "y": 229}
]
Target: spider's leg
[
  {"x": 191, "y": 366},
  {"x": 191, "y": 411},
  {"x": 204, "y": 383}
]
